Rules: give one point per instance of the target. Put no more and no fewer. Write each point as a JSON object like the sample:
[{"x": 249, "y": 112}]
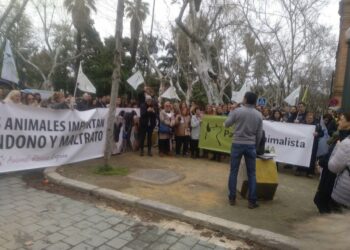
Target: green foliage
[
  {"x": 110, "y": 170},
  {"x": 137, "y": 11},
  {"x": 199, "y": 96},
  {"x": 21, "y": 37},
  {"x": 99, "y": 68}
]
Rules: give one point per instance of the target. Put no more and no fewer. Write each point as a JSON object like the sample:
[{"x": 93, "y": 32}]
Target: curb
[{"x": 261, "y": 236}]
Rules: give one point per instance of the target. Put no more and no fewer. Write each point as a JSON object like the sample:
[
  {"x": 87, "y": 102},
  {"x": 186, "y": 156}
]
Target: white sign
[
  {"x": 292, "y": 143},
  {"x": 9, "y": 70},
  {"x": 83, "y": 82},
  {"x": 37, "y": 137},
  {"x": 135, "y": 80}
]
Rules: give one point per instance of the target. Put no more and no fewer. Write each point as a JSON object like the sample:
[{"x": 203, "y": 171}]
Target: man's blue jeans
[{"x": 249, "y": 153}]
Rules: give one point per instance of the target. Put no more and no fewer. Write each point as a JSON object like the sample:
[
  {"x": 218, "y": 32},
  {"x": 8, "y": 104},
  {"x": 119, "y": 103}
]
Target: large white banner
[
  {"x": 292, "y": 143},
  {"x": 37, "y": 137}
]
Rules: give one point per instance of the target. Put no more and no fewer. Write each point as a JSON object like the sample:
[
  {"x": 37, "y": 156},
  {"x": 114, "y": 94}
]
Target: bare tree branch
[
  {"x": 213, "y": 21},
  {"x": 17, "y": 18},
  {"x": 44, "y": 22},
  {"x": 7, "y": 12},
  {"x": 31, "y": 64},
  {"x": 179, "y": 22}
]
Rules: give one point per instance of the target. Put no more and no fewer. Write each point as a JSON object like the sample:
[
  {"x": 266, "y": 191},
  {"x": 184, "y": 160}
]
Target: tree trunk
[
  {"x": 199, "y": 52},
  {"x": 17, "y": 18},
  {"x": 7, "y": 12},
  {"x": 48, "y": 85},
  {"x": 135, "y": 35},
  {"x": 78, "y": 52},
  {"x": 190, "y": 90},
  {"x": 115, "y": 81},
  {"x": 203, "y": 66}
]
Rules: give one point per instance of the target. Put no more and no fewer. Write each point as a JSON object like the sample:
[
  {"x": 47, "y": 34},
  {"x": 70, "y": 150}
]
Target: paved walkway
[{"x": 34, "y": 219}]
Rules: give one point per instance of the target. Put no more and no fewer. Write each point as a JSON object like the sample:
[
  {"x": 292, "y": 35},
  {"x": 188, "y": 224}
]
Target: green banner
[{"x": 214, "y": 136}]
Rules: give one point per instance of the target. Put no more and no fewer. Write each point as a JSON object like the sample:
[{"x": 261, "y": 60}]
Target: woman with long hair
[
  {"x": 59, "y": 101},
  {"x": 166, "y": 124},
  {"x": 276, "y": 116},
  {"x": 182, "y": 131},
  {"x": 13, "y": 97}
]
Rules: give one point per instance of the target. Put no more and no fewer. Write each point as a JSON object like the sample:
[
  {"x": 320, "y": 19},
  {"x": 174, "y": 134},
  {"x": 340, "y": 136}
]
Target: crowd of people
[
  {"x": 58, "y": 100},
  {"x": 177, "y": 126}
]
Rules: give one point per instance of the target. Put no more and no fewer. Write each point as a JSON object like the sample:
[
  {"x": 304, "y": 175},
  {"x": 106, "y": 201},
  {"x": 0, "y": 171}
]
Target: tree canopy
[{"x": 213, "y": 50}]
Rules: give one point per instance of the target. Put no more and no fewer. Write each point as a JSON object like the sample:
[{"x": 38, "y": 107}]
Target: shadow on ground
[{"x": 204, "y": 189}]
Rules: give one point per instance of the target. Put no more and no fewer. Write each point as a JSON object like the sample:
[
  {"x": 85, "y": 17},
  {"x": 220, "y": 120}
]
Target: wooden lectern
[{"x": 266, "y": 179}]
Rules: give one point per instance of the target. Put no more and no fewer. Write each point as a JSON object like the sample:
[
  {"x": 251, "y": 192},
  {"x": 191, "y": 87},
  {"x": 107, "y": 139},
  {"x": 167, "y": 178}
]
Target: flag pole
[
  {"x": 76, "y": 83},
  {"x": 75, "y": 89},
  {"x": 76, "y": 86}
]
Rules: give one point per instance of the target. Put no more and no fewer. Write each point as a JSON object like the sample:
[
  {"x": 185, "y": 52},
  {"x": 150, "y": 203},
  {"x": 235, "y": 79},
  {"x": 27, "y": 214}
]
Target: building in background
[{"x": 342, "y": 52}]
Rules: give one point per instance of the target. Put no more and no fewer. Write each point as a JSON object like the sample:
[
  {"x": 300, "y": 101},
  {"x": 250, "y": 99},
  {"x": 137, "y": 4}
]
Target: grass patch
[{"x": 109, "y": 170}]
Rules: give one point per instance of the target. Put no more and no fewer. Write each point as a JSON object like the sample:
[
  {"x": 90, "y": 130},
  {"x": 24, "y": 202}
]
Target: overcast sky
[{"x": 165, "y": 14}]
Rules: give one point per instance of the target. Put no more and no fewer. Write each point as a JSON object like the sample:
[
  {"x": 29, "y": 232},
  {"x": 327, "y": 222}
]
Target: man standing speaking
[{"x": 247, "y": 122}]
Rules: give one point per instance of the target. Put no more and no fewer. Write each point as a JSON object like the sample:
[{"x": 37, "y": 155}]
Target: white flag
[
  {"x": 136, "y": 80},
  {"x": 170, "y": 93},
  {"x": 238, "y": 96},
  {"x": 83, "y": 83},
  {"x": 9, "y": 71},
  {"x": 293, "y": 97}
]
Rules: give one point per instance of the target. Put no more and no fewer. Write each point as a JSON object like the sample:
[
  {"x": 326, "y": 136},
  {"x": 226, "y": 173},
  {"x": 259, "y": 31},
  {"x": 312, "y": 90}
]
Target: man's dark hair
[
  {"x": 251, "y": 98},
  {"x": 302, "y": 103},
  {"x": 328, "y": 116}
]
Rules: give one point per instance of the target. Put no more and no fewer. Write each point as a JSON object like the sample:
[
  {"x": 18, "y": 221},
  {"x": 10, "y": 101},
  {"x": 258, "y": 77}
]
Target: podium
[{"x": 266, "y": 179}]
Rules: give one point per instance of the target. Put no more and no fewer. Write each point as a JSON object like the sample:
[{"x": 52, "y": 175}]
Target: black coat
[
  {"x": 147, "y": 119},
  {"x": 83, "y": 105},
  {"x": 291, "y": 117},
  {"x": 301, "y": 117},
  {"x": 320, "y": 134},
  {"x": 323, "y": 199},
  {"x": 331, "y": 127}
]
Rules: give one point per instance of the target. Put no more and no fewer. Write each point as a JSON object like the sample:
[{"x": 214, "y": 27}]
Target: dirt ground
[{"x": 204, "y": 189}]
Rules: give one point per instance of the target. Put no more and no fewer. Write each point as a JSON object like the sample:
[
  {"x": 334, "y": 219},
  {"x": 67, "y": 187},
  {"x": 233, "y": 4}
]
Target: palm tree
[
  {"x": 80, "y": 10},
  {"x": 137, "y": 11}
]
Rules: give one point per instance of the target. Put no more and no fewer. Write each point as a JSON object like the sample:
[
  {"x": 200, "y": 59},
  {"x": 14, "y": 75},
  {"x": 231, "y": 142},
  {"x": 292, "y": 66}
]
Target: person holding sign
[
  {"x": 196, "y": 120},
  {"x": 13, "y": 97},
  {"x": 247, "y": 134},
  {"x": 310, "y": 171}
]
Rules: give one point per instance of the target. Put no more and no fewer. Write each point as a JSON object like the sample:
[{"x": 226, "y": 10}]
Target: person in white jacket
[
  {"x": 339, "y": 164},
  {"x": 196, "y": 120}
]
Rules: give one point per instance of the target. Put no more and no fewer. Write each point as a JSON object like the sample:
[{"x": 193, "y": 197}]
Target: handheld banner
[
  {"x": 214, "y": 136},
  {"x": 292, "y": 143},
  {"x": 37, "y": 137}
]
